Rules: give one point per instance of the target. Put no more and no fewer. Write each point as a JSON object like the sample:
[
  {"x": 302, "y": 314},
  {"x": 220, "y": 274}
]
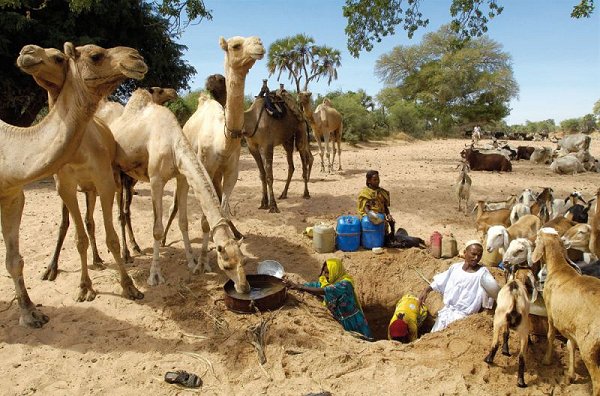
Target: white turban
[{"x": 473, "y": 242}]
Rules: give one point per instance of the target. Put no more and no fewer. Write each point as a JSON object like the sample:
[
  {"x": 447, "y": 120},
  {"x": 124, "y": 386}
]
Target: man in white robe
[{"x": 466, "y": 287}]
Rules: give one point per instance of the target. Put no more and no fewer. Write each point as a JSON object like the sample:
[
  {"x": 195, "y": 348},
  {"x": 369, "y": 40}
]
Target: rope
[{"x": 262, "y": 109}]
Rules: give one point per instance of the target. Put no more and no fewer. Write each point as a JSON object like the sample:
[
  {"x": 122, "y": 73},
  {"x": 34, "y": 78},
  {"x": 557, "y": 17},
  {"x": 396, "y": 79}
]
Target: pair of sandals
[{"x": 183, "y": 378}]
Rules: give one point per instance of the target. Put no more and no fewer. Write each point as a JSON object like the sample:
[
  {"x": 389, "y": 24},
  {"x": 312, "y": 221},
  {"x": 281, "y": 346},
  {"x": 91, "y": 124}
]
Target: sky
[{"x": 555, "y": 59}]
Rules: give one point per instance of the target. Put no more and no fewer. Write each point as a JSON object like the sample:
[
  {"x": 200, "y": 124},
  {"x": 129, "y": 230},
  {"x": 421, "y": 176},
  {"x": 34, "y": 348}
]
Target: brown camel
[
  {"x": 152, "y": 147},
  {"x": 29, "y": 154},
  {"x": 326, "y": 123},
  {"x": 263, "y": 133},
  {"x": 91, "y": 169}
]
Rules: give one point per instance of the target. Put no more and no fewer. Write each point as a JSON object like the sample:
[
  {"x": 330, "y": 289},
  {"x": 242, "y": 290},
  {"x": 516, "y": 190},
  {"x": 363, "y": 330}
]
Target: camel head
[
  {"x": 304, "y": 98},
  {"x": 48, "y": 66},
  {"x": 162, "y": 95},
  {"x": 215, "y": 84},
  {"x": 241, "y": 53},
  {"x": 103, "y": 70},
  {"x": 231, "y": 260}
]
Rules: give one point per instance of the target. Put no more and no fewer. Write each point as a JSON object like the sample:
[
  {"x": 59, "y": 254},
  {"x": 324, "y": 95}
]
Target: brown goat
[
  {"x": 571, "y": 300},
  {"x": 485, "y": 219}
]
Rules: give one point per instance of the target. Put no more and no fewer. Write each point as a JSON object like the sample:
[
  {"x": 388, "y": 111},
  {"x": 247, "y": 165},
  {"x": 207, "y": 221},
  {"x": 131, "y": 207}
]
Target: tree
[
  {"x": 371, "y": 20},
  {"x": 301, "y": 58},
  {"x": 596, "y": 109},
  {"x": 51, "y": 23},
  {"x": 452, "y": 82}
]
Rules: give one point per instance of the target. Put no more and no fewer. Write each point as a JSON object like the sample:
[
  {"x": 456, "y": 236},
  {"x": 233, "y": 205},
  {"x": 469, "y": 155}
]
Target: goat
[
  {"x": 570, "y": 300},
  {"x": 512, "y": 312},
  {"x": 486, "y": 162},
  {"x": 578, "y": 238},
  {"x": 567, "y": 165},
  {"x": 560, "y": 206},
  {"x": 579, "y": 213},
  {"x": 560, "y": 224},
  {"x": 486, "y": 219},
  {"x": 499, "y": 237},
  {"x": 543, "y": 203},
  {"x": 518, "y": 211},
  {"x": 495, "y": 205},
  {"x": 463, "y": 185}
]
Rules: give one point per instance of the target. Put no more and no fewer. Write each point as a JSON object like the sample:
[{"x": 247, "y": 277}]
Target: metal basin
[{"x": 266, "y": 293}]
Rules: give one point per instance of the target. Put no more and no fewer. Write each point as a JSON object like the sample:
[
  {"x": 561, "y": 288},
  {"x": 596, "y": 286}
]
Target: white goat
[
  {"x": 463, "y": 185},
  {"x": 499, "y": 237},
  {"x": 496, "y": 205},
  {"x": 571, "y": 300},
  {"x": 512, "y": 312},
  {"x": 560, "y": 206}
]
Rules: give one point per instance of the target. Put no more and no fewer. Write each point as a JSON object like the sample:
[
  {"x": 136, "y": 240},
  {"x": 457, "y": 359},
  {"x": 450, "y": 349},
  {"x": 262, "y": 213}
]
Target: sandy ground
[{"x": 115, "y": 346}]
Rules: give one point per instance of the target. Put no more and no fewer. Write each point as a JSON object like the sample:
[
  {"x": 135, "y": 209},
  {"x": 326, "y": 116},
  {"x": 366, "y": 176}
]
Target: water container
[
  {"x": 436, "y": 244},
  {"x": 449, "y": 247},
  {"x": 372, "y": 234},
  {"x": 348, "y": 233},
  {"x": 323, "y": 238}
]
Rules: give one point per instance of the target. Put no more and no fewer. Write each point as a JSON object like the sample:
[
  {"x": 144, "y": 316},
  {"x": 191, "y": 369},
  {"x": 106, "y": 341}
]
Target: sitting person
[
  {"x": 339, "y": 294},
  {"x": 466, "y": 287},
  {"x": 408, "y": 318},
  {"x": 376, "y": 199}
]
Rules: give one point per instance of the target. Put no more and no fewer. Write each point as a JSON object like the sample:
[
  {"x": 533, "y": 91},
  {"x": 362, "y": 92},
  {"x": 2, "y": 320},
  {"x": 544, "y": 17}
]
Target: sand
[{"x": 115, "y": 346}]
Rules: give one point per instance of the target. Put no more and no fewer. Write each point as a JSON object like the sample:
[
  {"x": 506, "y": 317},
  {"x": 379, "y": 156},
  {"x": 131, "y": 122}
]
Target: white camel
[
  {"x": 215, "y": 132},
  {"x": 29, "y": 154},
  {"x": 326, "y": 123},
  {"x": 152, "y": 147},
  {"x": 90, "y": 168}
]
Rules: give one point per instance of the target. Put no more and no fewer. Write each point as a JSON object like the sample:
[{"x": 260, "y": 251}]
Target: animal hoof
[
  {"x": 137, "y": 249},
  {"x": 155, "y": 279},
  {"x": 97, "y": 266},
  {"x": 132, "y": 293},
  {"x": 521, "y": 384},
  {"x": 86, "y": 294},
  {"x": 274, "y": 210},
  {"x": 33, "y": 318},
  {"x": 506, "y": 353},
  {"x": 50, "y": 273},
  {"x": 306, "y": 196}
]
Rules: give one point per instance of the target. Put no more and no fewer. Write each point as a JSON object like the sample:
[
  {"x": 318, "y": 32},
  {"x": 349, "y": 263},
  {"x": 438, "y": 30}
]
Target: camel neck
[
  {"x": 234, "y": 108},
  {"x": 39, "y": 151}
]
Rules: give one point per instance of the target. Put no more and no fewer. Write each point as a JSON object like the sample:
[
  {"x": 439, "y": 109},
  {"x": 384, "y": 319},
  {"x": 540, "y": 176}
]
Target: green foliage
[
  {"x": 301, "y": 58},
  {"x": 450, "y": 82},
  {"x": 119, "y": 22},
  {"x": 371, "y": 20},
  {"x": 184, "y": 106},
  {"x": 571, "y": 125},
  {"x": 588, "y": 123},
  {"x": 406, "y": 117},
  {"x": 596, "y": 108}
]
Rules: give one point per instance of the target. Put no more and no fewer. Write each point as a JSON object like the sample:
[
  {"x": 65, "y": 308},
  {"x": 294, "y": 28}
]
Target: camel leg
[
  {"x": 321, "y": 152},
  {"x": 172, "y": 212},
  {"x": 121, "y": 204},
  {"x": 289, "y": 152},
  {"x": 68, "y": 192},
  {"x": 306, "y": 159},
  {"x": 157, "y": 188},
  {"x": 204, "y": 251},
  {"x": 269, "y": 177},
  {"x": 129, "y": 183},
  {"x": 229, "y": 180},
  {"x": 112, "y": 242},
  {"x": 181, "y": 195},
  {"x": 90, "y": 225},
  {"x": 52, "y": 269},
  {"x": 11, "y": 209},
  {"x": 338, "y": 140},
  {"x": 328, "y": 153},
  {"x": 264, "y": 203}
]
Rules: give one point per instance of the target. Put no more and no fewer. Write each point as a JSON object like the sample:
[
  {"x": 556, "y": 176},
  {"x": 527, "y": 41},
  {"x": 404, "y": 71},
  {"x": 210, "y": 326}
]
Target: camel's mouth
[
  {"x": 137, "y": 74},
  {"x": 28, "y": 62},
  {"x": 258, "y": 55}
]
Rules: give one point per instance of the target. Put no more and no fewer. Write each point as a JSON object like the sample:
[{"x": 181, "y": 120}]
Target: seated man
[
  {"x": 376, "y": 199},
  {"x": 408, "y": 318}
]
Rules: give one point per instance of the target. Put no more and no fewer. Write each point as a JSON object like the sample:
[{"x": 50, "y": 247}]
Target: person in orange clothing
[{"x": 408, "y": 318}]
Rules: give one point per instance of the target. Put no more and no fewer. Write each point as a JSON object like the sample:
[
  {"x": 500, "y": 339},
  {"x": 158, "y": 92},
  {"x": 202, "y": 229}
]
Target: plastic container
[
  {"x": 449, "y": 246},
  {"x": 372, "y": 235},
  {"x": 324, "y": 238},
  {"x": 436, "y": 244},
  {"x": 348, "y": 233}
]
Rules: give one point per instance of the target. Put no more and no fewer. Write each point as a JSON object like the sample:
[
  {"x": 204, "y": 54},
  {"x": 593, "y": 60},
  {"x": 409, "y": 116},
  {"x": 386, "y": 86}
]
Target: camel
[
  {"x": 29, "y": 154},
  {"x": 151, "y": 147},
  {"x": 263, "y": 133},
  {"x": 109, "y": 113},
  {"x": 215, "y": 131},
  {"x": 90, "y": 168},
  {"x": 325, "y": 122}
]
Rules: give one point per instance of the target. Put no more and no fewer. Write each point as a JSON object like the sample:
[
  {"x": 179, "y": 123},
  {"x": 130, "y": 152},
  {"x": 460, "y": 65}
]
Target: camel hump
[
  {"x": 203, "y": 98},
  {"x": 139, "y": 99},
  {"x": 292, "y": 105}
]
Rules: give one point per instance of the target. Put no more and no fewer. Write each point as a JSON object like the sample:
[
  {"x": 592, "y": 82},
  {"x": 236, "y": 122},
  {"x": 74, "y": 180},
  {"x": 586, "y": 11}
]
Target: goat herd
[{"x": 548, "y": 247}]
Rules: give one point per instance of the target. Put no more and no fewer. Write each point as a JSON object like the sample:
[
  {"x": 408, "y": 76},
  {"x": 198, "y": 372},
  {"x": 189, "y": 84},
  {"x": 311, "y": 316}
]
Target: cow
[
  {"x": 486, "y": 162},
  {"x": 524, "y": 152}
]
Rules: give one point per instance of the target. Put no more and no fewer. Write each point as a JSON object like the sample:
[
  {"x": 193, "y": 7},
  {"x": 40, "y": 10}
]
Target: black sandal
[{"x": 183, "y": 378}]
